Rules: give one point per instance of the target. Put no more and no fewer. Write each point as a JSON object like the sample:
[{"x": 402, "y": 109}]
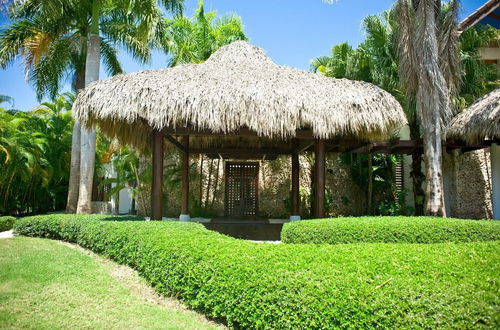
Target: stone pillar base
[
  {"x": 294, "y": 217},
  {"x": 184, "y": 218}
]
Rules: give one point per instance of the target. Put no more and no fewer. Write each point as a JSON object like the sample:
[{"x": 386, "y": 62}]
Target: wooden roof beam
[
  {"x": 242, "y": 132},
  {"x": 240, "y": 151},
  {"x": 303, "y": 146},
  {"x": 363, "y": 149},
  {"x": 175, "y": 143}
]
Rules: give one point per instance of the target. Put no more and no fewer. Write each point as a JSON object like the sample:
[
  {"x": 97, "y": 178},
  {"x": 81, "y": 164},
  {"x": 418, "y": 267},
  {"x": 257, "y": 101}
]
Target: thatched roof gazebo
[
  {"x": 480, "y": 122},
  {"x": 237, "y": 104}
]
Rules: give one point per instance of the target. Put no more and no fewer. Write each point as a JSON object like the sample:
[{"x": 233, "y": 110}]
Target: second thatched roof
[
  {"x": 238, "y": 86},
  {"x": 478, "y": 122}
]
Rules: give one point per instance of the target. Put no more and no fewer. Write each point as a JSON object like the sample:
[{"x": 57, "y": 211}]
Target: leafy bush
[
  {"x": 62, "y": 226},
  {"x": 251, "y": 285},
  {"x": 390, "y": 230},
  {"x": 6, "y": 223}
]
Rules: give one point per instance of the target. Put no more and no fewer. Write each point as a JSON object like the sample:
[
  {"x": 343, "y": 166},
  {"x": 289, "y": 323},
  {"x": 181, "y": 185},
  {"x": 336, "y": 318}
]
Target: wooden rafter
[
  {"x": 241, "y": 151},
  {"x": 242, "y": 132},
  {"x": 176, "y": 143}
]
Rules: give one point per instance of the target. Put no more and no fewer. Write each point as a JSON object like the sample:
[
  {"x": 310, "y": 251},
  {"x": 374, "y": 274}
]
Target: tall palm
[
  {"x": 55, "y": 42},
  {"x": 193, "y": 40},
  {"x": 379, "y": 52},
  {"x": 147, "y": 14},
  {"x": 53, "y": 47},
  {"x": 430, "y": 75},
  {"x": 429, "y": 72}
]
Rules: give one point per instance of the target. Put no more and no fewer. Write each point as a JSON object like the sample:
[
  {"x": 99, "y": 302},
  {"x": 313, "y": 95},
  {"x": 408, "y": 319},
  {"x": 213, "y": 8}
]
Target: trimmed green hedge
[
  {"x": 256, "y": 285},
  {"x": 390, "y": 230},
  {"x": 6, "y": 223}
]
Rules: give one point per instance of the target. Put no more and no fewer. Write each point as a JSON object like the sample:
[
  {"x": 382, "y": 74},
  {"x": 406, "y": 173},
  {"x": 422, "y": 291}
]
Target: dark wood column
[
  {"x": 295, "y": 181},
  {"x": 185, "y": 177},
  {"x": 157, "y": 184},
  {"x": 319, "y": 151}
]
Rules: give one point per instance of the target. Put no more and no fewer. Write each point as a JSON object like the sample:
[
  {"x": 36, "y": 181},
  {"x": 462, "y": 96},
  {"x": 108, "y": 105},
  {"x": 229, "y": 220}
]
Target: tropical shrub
[
  {"x": 34, "y": 156},
  {"x": 6, "y": 223},
  {"x": 62, "y": 226},
  {"x": 390, "y": 230},
  {"x": 251, "y": 285}
]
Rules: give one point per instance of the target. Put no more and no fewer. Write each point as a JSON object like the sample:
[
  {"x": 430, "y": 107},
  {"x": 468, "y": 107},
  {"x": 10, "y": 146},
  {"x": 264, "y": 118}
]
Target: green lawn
[{"x": 46, "y": 285}]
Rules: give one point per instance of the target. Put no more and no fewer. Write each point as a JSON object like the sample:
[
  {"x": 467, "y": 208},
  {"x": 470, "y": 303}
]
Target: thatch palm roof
[
  {"x": 238, "y": 86},
  {"x": 478, "y": 122}
]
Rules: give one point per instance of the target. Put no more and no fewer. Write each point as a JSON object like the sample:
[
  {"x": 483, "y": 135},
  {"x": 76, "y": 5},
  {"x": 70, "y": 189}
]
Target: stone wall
[
  {"x": 207, "y": 182},
  {"x": 347, "y": 198},
  {"x": 467, "y": 184},
  {"x": 466, "y": 176}
]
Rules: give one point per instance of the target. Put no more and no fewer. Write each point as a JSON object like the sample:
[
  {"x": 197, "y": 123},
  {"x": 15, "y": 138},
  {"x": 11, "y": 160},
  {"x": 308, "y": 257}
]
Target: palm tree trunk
[
  {"x": 74, "y": 174},
  {"x": 432, "y": 103},
  {"x": 418, "y": 180},
  {"x": 88, "y": 137},
  {"x": 416, "y": 174},
  {"x": 434, "y": 205}
]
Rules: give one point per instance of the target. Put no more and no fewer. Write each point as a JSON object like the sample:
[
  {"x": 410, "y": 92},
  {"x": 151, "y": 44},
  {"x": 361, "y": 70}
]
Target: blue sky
[{"x": 293, "y": 32}]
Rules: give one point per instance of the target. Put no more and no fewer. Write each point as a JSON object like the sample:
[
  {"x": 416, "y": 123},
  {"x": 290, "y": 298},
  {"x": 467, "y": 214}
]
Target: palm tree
[
  {"x": 430, "y": 75},
  {"x": 52, "y": 48},
  {"x": 55, "y": 42},
  {"x": 193, "y": 40},
  {"x": 376, "y": 60},
  {"x": 148, "y": 14},
  {"x": 34, "y": 153}
]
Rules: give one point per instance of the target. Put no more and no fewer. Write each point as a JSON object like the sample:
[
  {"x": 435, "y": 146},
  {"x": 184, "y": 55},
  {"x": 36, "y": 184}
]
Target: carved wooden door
[{"x": 242, "y": 181}]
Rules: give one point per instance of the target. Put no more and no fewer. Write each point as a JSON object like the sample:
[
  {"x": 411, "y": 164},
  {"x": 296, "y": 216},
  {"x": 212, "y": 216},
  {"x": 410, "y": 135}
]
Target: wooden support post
[
  {"x": 185, "y": 181},
  {"x": 319, "y": 150},
  {"x": 295, "y": 184},
  {"x": 157, "y": 184}
]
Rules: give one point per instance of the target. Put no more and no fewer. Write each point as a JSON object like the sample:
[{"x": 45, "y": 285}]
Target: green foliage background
[{"x": 35, "y": 156}]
